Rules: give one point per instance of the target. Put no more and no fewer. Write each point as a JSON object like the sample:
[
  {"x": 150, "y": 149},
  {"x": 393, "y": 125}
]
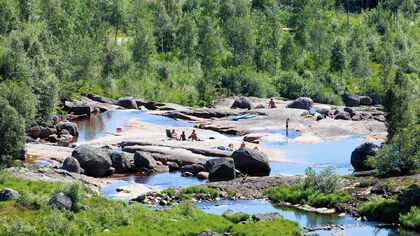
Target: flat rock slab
[
  {"x": 48, "y": 151},
  {"x": 176, "y": 155},
  {"x": 252, "y": 186},
  {"x": 132, "y": 191}
]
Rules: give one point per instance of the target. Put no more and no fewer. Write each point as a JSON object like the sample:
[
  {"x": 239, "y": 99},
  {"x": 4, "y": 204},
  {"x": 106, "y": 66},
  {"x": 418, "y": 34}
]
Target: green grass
[
  {"x": 237, "y": 218},
  {"x": 18, "y": 218},
  {"x": 383, "y": 210},
  {"x": 411, "y": 219},
  {"x": 231, "y": 193},
  {"x": 195, "y": 189},
  {"x": 169, "y": 191},
  {"x": 296, "y": 194}
]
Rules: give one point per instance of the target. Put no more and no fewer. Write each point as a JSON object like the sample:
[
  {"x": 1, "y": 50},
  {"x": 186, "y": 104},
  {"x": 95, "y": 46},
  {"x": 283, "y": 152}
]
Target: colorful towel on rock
[{"x": 246, "y": 116}]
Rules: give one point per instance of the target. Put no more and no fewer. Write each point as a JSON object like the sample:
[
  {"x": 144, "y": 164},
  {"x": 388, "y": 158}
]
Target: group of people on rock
[{"x": 193, "y": 136}]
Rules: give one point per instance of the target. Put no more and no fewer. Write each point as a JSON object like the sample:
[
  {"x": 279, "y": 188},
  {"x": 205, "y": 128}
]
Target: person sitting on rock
[
  {"x": 182, "y": 137},
  {"x": 230, "y": 147},
  {"x": 193, "y": 136},
  {"x": 242, "y": 145},
  {"x": 272, "y": 104},
  {"x": 256, "y": 148},
  {"x": 174, "y": 135}
]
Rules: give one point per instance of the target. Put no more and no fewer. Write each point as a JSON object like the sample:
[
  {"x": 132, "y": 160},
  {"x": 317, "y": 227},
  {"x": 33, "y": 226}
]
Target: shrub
[
  {"x": 383, "y": 210},
  {"x": 195, "y": 189},
  {"x": 169, "y": 191},
  {"x": 325, "y": 181},
  {"x": 31, "y": 200},
  {"x": 237, "y": 218},
  {"x": 187, "y": 209},
  {"x": 411, "y": 219},
  {"x": 275, "y": 227},
  {"x": 12, "y": 135},
  {"x": 78, "y": 193},
  {"x": 231, "y": 193}
]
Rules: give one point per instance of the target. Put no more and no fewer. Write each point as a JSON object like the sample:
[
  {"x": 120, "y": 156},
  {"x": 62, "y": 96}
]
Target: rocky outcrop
[
  {"x": 342, "y": 115},
  {"x": 100, "y": 99},
  {"x": 350, "y": 110},
  {"x": 41, "y": 131},
  {"x": 221, "y": 169},
  {"x": 172, "y": 166},
  {"x": 208, "y": 232},
  {"x": 61, "y": 201},
  {"x": 242, "y": 102},
  {"x": 194, "y": 169},
  {"x": 144, "y": 162},
  {"x": 71, "y": 164},
  {"x": 324, "y": 111},
  {"x": 365, "y": 100},
  {"x": 267, "y": 217},
  {"x": 68, "y": 126},
  {"x": 120, "y": 162},
  {"x": 93, "y": 160},
  {"x": 8, "y": 194},
  {"x": 351, "y": 100},
  {"x": 301, "y": 103},
  {"x": 251, "y": 162},
  {"x": 360, "y": 155},
  {"x": 128, "y": 103}
]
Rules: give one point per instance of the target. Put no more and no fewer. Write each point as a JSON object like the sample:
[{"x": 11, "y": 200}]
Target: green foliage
[
  {"x": 169, "y": 191},
  {"x": 12, "y": 135},
  {"x": 325, "y": 181},
  {"x": 411, "y": 219},
  {"x": 383, "y": 210},
  {"x": 237, "y": 218},
  {"x": 231, "y": 193},
  {"x": 297, "y": 194},
  {"x": 195, "y": 189},
  {"x": 286, "y": 227}
]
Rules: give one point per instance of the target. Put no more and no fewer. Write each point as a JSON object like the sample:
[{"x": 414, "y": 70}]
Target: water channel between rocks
[{"x": 317, "y": 155}]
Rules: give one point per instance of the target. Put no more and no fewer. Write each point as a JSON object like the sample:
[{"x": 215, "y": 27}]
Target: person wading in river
[{"x": 287, "y": 127}]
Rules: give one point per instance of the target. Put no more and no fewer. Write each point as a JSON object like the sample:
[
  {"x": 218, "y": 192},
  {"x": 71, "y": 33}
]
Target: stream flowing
[{"x": 320, "y": 155}]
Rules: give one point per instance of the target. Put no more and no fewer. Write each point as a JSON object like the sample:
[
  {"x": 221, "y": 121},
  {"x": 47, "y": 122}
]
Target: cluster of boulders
[
  {"x": 353, "y": 100},
  {"x": 243, "y": 161},
  {"x": 62, "y": 133},
  {"x": 97, "y": 162},
  {"x": 327, "y": 227}
]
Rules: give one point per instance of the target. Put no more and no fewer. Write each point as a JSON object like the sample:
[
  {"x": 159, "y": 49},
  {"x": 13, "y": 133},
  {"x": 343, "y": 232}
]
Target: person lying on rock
[
  {"x": 182, "y": 137},
  {"x": 193, "y": 136},
  {"x": 272, "y": 104}
]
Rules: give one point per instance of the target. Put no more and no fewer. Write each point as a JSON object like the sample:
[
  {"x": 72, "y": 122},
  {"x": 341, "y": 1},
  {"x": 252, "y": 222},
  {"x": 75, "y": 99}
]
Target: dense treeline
[{"x": 193, "y": 51}]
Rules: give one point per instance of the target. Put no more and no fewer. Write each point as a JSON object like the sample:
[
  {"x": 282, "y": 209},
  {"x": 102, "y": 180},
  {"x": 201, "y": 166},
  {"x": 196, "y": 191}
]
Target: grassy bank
[{"x": 31, "y": 215}]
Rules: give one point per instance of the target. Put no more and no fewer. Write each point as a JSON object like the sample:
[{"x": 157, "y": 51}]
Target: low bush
[
  {"x": 325, "y": 181},
  {"x": 231, "y": 193},
  {"x": 297, "y": 194},
  {"x": 195, "y": 189},
  {"x": 169, "y": 191},
  {"x": 237, "y": 218},
  {"x": 411, "y": 219},
  {"x": 383, "y": 210}
]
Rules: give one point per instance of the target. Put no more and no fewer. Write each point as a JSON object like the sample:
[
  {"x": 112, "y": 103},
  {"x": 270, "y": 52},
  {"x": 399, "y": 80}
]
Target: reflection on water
[
  {"x": 334, "y": 153},
  {"x": 107, "y": 123},
  {"x": 305, "y": 219}
]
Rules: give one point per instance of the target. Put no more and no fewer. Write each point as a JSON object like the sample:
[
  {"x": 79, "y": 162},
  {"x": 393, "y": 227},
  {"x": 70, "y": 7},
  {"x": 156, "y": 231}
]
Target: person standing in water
[{"x": 287, "y": 127}]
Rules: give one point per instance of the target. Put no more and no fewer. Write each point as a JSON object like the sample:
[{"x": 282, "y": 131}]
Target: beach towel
[{"x": 246, "y": 116}]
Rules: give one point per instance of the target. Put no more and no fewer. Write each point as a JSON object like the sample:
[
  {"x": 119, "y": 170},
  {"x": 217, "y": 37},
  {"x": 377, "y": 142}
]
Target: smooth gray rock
[
  {"x": 144, "y": 160},
  {"x": 221, "y": 169},
  {"x": 71, "y": 164},
  {"x": 343, "y": 116},
  {"x": 120, "y": 162},
  {"x": 208, "y": 232},
  {"x": 61, "y": 201},
  {"x": 69, "y": 126},
  {"x": 350, "y": 110},
  {"x": 365, "y": 100},
  {"x": 251, "y": 162},
  {"x": 203, "y": 175},
  {"x": 360, "y": 154},
  {"x": 93, "y": 160},
  {"x": 376, "y": 100},
  {"x": 301, "y": 103},
  {"x": 379, "y": 188},
  {"x": 266, "y": 217},
  {"x": 351, "y": 100},
  {"x": 128, "y": 103},
  {"x": 172, "y": 166},
  {"x": 242, "y": 102},
  {"x": 8, "y": 194},
  {"x": 193, "y": 168},
  {"x": 100, "y": 99},
  {"x": 40, "y": 131},
  {"x": 380, "y": 118}
]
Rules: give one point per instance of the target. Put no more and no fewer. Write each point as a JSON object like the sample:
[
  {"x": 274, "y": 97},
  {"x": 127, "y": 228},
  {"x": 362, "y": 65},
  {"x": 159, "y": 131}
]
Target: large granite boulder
[
  {"x": 301, "y": 103},
  {"x": 193, "y": 168},
  {"x": 71, "y": 164},
  {"x": 325, "y": 111},
  {"x": 100, "y": 99},
  {"x": 40, "y": 131},
  {"x": 365, "y": 100},
  {"x": 376, "y": 100},
  {"x": 342, "y": 115},
  {"x": 350, "y": 110},
  {"x": 242, "y": 102},
  {"x": 93, "y": 160},
  {"x": 360, "y": 155},
  {"x": 128, "y": 103},
  {"x": 69, "y": 126},
  {"x": 351, "y": 100},
  {"x": 142, "y": 161},
  {"x": 8, "y": 194},
  {"x": 61, "y": 201},
  {"x": 251, "y": 162},
  {"x": 120, "y": 162},
  {"x": 221, "y": 169}
]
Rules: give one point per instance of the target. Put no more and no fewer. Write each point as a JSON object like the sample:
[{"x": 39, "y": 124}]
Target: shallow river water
[{"x": 317, "y": 155}]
